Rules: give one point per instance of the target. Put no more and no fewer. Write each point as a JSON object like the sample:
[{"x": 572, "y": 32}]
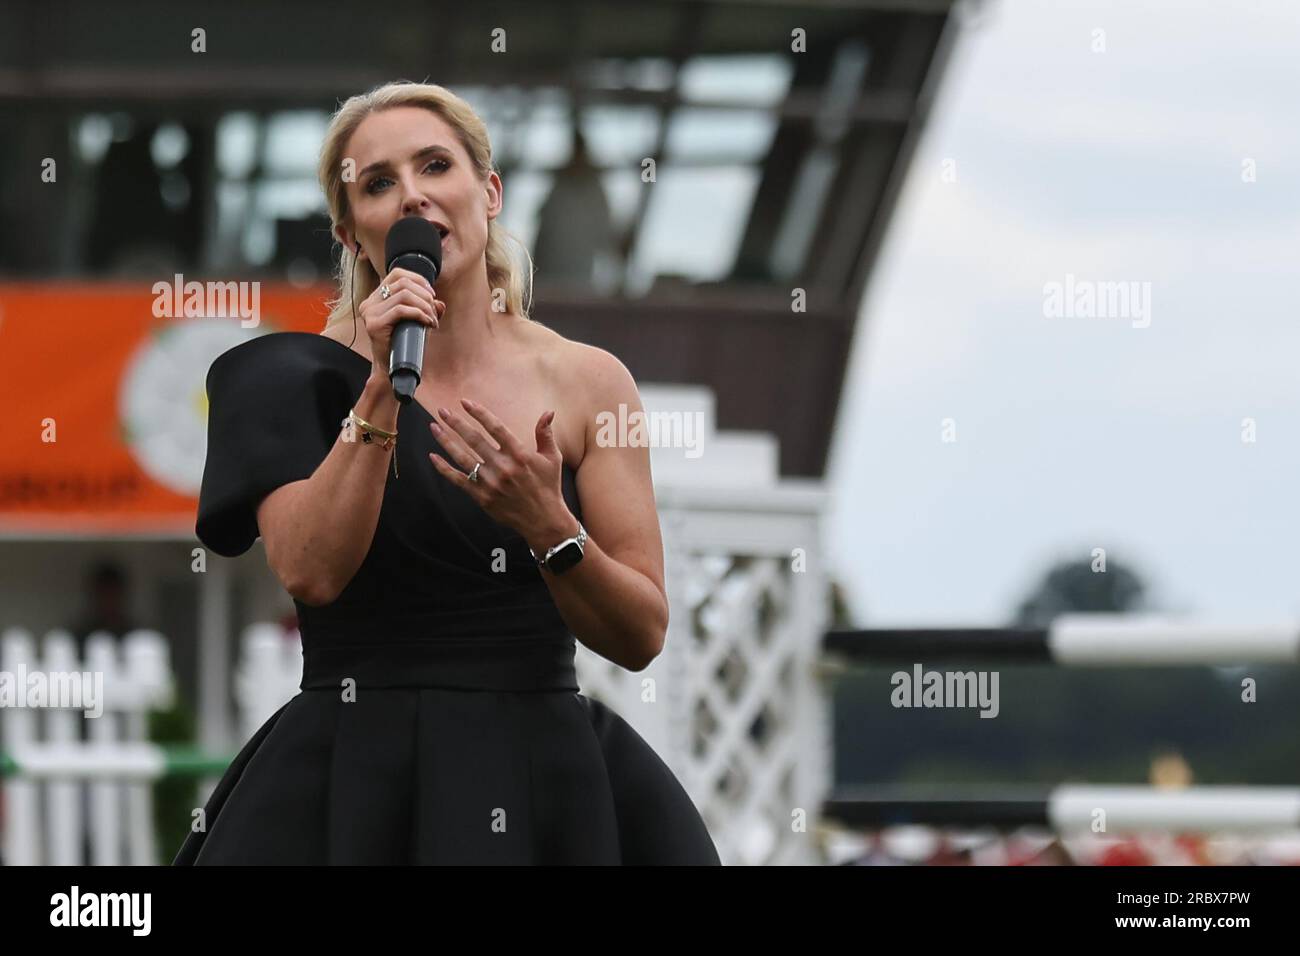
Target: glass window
[{"x": 693, "y": 224}]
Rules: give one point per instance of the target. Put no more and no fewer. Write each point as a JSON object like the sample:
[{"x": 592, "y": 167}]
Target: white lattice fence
[{"x": 733, "y": 705}]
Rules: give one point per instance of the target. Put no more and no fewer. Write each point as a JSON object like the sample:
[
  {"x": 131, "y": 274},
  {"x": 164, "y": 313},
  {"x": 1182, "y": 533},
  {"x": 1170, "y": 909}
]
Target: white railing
[
  {"x": 74, "y": 801},
  {"x": 734, "y": 705},
  {"x": 268, "y": 674},
  {"x": 71, "y": 796}
]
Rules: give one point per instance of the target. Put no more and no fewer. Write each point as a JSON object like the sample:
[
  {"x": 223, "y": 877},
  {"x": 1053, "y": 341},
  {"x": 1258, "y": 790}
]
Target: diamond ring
[
  {"x": 473, "y": 475},
  {"x": 385, "y": 292}
]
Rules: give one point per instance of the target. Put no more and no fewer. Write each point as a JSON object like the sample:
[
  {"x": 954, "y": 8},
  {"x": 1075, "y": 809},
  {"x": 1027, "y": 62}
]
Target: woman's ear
[
  {"x": 346, "y": 240},
  {"x": 494, "y": 190}
]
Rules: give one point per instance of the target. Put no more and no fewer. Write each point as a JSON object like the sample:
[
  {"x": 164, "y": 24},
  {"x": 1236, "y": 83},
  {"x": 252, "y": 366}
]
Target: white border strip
[
  {"x": 1076, "y": 808},
  {"x": 1098, "y": 639},
  {"x": 116, "y": 761}
]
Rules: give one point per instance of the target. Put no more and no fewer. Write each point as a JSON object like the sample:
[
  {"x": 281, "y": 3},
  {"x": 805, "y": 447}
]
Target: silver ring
[
  {"x": 384, "y": 292},
  {"x": 473, "y": 475}
]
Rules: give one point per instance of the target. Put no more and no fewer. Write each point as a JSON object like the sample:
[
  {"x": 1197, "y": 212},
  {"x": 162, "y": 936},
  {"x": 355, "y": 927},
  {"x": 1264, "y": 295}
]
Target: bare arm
[
  {"x": 318, "y": 531},
  {"x": 613, "y": 600}
]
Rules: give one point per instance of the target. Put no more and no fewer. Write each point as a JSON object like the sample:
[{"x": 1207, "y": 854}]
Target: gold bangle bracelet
[
  {"x": 385, "y": 440},
  {"x": 366, "y": 426}
]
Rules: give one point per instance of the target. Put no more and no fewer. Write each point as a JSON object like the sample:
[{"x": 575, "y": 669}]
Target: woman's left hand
[{"x": 517, "y": 487}]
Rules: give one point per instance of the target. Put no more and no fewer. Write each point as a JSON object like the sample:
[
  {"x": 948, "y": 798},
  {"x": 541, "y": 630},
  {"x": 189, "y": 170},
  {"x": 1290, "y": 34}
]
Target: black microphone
[{"x": 413, "y": 244}]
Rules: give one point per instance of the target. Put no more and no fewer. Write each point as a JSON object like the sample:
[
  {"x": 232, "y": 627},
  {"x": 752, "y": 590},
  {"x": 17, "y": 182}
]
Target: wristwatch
[{"x": 564, "y": 555}]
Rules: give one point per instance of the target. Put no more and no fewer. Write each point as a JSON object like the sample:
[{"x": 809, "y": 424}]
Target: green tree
[{"x": 1075, "y": 586}]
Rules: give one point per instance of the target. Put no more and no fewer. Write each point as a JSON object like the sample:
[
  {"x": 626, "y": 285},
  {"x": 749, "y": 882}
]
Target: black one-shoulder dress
[{"x": 468, "y": 741}]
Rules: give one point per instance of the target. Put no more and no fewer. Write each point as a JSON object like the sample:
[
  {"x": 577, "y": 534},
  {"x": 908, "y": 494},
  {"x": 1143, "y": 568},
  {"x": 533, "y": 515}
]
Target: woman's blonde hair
[{"x": 503, "y": 270}]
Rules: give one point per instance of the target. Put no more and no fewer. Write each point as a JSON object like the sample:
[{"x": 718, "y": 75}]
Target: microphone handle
[{"x": 406, "y": 360}]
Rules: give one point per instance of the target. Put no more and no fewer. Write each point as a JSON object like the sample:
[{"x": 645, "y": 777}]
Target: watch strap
[{"x": 580, "y": 538}]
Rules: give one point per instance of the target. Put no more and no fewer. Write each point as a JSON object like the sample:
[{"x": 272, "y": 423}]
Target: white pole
[
  {"x": 1206, "y": 808},
  {"x": 263, "y": 681},
  {"x": 65, "y": 825},
  {"x": 148, "y": 675},
  {"x": 142, "y": 849},
  {"x": 1119, "y": 639},
  {"x": 105, "y": 795},
  {"x": 213, "y": 657},
  {"x": 22, "y": 843},
  {"x": 118, "y": 761}
]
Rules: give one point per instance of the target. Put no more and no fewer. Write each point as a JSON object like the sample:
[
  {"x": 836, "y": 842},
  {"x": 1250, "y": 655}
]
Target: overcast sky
[{"x": 1078, "y": 432}]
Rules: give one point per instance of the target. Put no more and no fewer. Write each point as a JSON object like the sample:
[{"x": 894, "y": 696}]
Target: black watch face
[{"x": 565, "y": 558}]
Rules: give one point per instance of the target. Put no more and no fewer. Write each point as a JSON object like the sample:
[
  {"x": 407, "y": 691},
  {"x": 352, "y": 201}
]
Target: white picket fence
[
  {"x": 69, "y": 801},
  {"x": 268, "y": 674}
]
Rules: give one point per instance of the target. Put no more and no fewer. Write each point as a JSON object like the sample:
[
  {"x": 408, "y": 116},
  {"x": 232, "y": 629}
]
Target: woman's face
[{"x": 409, "y": 161}]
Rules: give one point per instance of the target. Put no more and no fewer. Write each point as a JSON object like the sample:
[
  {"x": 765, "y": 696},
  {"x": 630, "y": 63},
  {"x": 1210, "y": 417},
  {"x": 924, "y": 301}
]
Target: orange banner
[{"x": 104, "y": 415}]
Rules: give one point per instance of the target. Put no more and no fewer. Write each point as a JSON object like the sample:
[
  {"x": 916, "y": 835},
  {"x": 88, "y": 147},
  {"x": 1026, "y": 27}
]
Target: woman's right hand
[{"x": 411, "y": 297}]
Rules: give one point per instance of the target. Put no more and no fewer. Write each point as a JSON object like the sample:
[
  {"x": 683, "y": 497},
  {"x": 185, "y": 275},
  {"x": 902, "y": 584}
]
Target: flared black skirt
[{"x": 370, "y": 773}]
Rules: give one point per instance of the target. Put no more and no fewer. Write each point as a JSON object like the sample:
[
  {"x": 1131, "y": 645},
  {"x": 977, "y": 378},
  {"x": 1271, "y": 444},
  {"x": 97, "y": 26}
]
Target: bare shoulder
[
  {"x": 601, "y": 375},
  {"x": 586, "y": 379}
]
